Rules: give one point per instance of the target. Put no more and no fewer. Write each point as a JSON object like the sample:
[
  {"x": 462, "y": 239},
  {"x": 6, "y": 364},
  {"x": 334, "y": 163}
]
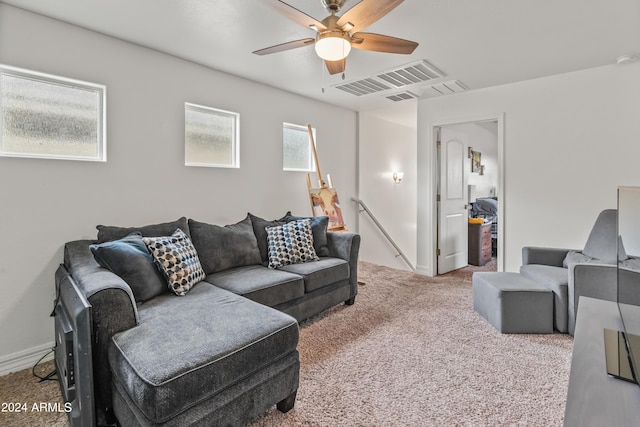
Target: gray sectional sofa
[
  {"x": 516, "y": 303},
  {"x": 225, "y": 351}
]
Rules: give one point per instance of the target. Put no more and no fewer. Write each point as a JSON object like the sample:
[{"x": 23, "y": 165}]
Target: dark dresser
[{"x": 479, "y": 244}]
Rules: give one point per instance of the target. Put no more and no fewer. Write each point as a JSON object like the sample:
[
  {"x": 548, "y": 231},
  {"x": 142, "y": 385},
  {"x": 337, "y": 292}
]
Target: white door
[{"x": 452, "y": 205}]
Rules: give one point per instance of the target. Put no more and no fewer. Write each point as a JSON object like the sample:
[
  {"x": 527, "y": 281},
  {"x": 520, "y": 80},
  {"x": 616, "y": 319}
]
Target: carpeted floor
[{"x": 410, "y": 352}]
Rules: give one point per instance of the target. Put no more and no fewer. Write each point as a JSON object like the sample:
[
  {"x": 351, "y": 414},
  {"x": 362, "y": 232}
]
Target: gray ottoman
[{"x": 512, "y": 303}]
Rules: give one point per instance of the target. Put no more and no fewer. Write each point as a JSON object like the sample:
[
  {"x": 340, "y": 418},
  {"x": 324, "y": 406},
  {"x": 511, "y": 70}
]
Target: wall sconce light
[{"x": 397, "y": 177}]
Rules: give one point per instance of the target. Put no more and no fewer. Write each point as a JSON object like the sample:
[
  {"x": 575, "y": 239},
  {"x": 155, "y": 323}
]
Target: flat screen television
[
  {"x": 623, "y": 346},
  {"x": 73, "y": 357}
]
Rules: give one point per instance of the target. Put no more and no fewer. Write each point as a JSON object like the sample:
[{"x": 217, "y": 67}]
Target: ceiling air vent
[
  {"x": 402, "y": 96},
  {"x": 363, "y": 87},
  {"x": 445, "y": 88},
  {"x": 417, "y": 72}
]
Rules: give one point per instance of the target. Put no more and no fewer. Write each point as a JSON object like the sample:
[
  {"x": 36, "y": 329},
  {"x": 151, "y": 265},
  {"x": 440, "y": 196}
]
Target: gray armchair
[{"x": 571, "y": 274}]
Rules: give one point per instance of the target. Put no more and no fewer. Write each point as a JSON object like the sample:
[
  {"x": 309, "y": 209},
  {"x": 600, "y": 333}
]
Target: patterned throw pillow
[
  {"x": 290, "y": 243},
  {"x": 178, "y": 260}
]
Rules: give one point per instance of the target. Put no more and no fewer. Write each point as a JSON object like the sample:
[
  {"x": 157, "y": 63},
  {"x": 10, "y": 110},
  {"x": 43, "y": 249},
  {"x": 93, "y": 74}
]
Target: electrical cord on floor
[{"x": 51, "y": 376}]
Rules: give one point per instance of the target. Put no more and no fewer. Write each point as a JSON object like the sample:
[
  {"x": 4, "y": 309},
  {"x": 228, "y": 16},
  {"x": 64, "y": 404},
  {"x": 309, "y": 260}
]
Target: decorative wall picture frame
[{"x": 476, "y": 158}]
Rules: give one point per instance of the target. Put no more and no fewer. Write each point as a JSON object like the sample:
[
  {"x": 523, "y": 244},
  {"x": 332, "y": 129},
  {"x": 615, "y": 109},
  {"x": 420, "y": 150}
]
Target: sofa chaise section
[
  {"x": 571, "y": 274},
  {"x": 190, "y": 358}
]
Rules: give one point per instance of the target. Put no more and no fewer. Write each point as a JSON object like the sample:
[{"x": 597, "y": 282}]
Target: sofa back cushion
[
  {"x": 222, "y": 248},
  {"x": 603, "y": 240},
  {"x": 109, "y": 232},
  {"x": 260, "y": 231},
  {"x": 129, "y": 258}
]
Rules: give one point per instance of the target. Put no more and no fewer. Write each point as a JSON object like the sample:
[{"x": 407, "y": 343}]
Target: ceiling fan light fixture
[{"x": 333, "y": 45}]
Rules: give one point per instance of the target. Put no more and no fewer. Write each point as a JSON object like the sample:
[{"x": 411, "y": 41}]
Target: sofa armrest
[
  {"x": 113, "y": 310},
  {"x": 346, "y": 246},
  {"x": 629, "y": 286},
  {"x": 590, "y": 280},
  {"x": 545, "y": 256}
]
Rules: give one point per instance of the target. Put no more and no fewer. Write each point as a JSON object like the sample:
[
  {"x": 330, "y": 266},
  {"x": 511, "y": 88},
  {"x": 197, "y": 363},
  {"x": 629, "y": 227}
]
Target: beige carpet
[{"x": 410, "y": 352}]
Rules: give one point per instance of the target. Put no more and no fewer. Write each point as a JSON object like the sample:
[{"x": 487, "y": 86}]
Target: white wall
[
  {"x": 485, "y": 141},
  {"x": 570, "y": 140},
  {"x": 387, "y": 146},
  {"x": 45, "y": 203}
]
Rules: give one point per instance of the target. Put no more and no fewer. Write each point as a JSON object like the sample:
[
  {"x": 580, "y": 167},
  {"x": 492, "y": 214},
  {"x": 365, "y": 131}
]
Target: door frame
[{"x": 431, "y": 204}]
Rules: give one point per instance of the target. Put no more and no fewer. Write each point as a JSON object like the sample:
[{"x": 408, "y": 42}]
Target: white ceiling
[{"x": 481, "y": 43}]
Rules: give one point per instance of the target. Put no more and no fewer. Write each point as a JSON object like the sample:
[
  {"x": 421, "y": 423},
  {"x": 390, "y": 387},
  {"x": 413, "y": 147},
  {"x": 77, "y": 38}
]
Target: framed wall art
[{"x": 475, "y": 161}]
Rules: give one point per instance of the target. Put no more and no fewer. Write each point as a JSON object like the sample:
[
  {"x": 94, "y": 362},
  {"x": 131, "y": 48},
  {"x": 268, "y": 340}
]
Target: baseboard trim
[
  {"x": 423, "y": 270},
  {"x": 24, "y": 359}
]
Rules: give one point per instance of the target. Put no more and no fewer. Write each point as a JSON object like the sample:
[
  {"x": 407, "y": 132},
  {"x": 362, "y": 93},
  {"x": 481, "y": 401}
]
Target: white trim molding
[
  {"x": 24, "y": 359},
  {"x": 427, "y": 204}
]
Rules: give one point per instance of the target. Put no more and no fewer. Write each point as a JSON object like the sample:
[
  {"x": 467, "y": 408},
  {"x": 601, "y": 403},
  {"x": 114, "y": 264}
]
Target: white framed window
[
  {"x": 52, "y": 117},
  {"x": 297, "y": 154},
  {"x": 211, "y": 137}
]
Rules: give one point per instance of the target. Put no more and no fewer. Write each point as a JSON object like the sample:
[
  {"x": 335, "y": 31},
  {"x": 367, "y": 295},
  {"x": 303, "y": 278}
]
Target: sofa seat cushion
[
  {"x": 260, "y": 284},
  {"x": 555, "y": 278},
  {"x": 187, "y": 349},
  {"x": 320, "y": 273}
]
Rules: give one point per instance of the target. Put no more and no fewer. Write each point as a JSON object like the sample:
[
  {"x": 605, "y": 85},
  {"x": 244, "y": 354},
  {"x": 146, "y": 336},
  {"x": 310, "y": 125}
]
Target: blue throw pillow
[{"x": 130, "y": 259}]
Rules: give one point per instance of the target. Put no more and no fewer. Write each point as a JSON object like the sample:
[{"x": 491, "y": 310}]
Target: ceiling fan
[{"x": 336, "y": 35}]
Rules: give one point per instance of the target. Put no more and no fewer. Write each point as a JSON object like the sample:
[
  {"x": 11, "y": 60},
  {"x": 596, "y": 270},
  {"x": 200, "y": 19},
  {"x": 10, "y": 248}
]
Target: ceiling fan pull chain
[{"x": 322, "y": 75}]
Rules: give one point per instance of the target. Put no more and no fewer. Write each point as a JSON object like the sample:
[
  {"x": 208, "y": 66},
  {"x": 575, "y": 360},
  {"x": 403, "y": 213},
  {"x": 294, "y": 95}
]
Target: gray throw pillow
[
  {"x": 319, "y": 226},
  {"x": 130, "y": 259},
  {"x": 631, "y": 263},
  {"x": 222, "y": 248},
  {"x": 260, "y": 230},
  {"x": 575, "y": 257},
  {"x": 109, "y": 232}
]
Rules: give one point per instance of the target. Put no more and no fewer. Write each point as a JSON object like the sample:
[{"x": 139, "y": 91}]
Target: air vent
[
  {"x": 402, "y": 96},
  {"x": 445, "y": 88},
  {"x": 418, "y": 72},
  {"x": 363, "y": 87}
]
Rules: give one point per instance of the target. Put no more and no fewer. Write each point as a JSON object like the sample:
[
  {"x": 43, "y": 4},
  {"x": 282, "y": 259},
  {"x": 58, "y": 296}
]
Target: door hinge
[
  {"x": 438, "y": 252},
  {"x": 438, "y": 198},
  {"x": 438, "y": 144}
]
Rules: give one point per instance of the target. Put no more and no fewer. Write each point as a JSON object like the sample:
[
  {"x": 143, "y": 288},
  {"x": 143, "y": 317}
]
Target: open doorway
[{"x": 468, "y": 184}]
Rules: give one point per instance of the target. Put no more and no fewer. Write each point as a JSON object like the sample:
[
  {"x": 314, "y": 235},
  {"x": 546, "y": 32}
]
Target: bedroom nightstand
[{"x": 479, "y": 244}]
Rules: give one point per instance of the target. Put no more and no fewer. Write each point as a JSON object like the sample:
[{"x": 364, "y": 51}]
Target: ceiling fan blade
[
  {"x": 381, "y": 43},
  {"x": 336, "y": 67},
  {"x": 295, "y": 15},
  {"x": 366, "y": 13},
  {"x": 285, "y": 46}
]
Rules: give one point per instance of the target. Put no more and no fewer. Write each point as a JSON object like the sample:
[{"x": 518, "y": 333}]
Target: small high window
[
  {"x": 47, "y": 116},
  {"x": 297, "y": 153},
  {"x": 211, "y": 137}
]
